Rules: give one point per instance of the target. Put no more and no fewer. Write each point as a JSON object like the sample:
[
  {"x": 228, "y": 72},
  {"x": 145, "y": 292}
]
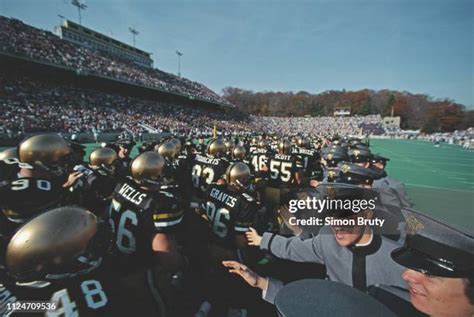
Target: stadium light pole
[
  {"x": 179, "y": 62},
  {"x": 134, "y": 33},
  {"x": 80, "y": 6}
]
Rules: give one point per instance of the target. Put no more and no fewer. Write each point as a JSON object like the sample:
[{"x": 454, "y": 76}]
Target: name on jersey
[
  {"x": 132, "y": 194},
  {"x": 223, "y": 197},
  {"x": 305, "y": 151},
  {"x": 207, "y": 160},
  {"x": 259, "y": 151},
  {"x": 283, "y": 157}
]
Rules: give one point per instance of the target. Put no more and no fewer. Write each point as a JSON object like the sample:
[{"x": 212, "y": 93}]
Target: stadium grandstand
[{"x": 21, "y": 41}]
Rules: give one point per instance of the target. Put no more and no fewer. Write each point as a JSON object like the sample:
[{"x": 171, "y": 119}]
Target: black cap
[
  {"x": 323, "y": 298},
  {"x": 126, "y": 143},
  {"x": 336, "y": 192},
  {"x": 351, "y": 173},
  {"x": 359, "y": 155},
  {"x": 434, "y": 248},
  {"x": 335, "y": 156},
  {"x": 376, "y": 158}
]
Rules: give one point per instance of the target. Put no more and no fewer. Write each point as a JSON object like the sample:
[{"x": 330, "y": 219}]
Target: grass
[{"x": 440, "y": 181}]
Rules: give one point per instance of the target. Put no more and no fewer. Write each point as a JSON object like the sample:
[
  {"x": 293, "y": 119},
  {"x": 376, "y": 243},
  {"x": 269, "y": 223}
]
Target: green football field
[{"x": 440, "y": 181}]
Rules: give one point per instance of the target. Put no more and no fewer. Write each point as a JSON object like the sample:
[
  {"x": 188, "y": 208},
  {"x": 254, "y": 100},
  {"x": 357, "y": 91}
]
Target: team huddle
[{"x": 157, "y": 235}]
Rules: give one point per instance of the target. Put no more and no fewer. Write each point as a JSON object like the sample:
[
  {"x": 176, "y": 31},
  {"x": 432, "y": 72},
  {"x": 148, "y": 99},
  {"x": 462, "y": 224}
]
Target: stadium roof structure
[{"x": 82, "y": 35}]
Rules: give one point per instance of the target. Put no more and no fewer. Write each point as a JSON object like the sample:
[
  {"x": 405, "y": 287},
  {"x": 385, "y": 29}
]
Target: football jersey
[
  {"x": 207, "y": 170},
  {"x": 229, "y": 213},
  {"x": 22, "y": 198},
  {"x": 94, "y": 189},
  {"x": 309, "y": 162},
  {"x": 87, "y": 295},
  {"x": 259, "y": 159},
  {"x": 135, "y": 216},
  {"x": 282, "y": 170},
  {"x": 123, "y": 167}
]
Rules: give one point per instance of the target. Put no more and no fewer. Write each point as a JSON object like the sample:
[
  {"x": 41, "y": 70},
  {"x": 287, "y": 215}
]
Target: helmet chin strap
[
  {"x": 241, "y": 185},
  {"x": 58, "y": 171}
]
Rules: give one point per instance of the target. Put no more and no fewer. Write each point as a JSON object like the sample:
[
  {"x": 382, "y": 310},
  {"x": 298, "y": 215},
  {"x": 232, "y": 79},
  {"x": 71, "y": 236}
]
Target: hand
[
  {"x": 73, "y": 177},
  {"x": 313, "y": 183},
  {"x": 264, "y": 168},
  {"x": 249, "y": 276},
  {"x": 253, "y": 237}
]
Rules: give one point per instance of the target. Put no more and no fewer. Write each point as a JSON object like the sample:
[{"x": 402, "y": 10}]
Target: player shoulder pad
[{"x": 82, "y": 169}]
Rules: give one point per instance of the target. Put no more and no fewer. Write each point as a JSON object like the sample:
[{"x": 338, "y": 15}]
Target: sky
[{"x": 419, "y": 46}]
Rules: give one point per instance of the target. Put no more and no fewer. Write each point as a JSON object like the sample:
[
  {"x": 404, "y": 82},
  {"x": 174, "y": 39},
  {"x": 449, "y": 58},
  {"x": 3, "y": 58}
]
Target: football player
[
  {"x": 229, "y": 148},
  {"x": 145, "y": 221},
  {"x": 239, "y": 154},
  {"x": 260, "y": 157},
  {"x": 309, "y": 161},
  {"x": 56, "y": 257},
  {"x": 230, "y": 209},
  {"x": 98, "y": 181},
  {"x": 35, "y": 182},
  {"x": 283, "y": 174},
  {"x": 282, "y": 167},
  {"x": 169, "y": 151},
  {"x": 209, "y": 168},
  {"x": 143, "y": 217}
]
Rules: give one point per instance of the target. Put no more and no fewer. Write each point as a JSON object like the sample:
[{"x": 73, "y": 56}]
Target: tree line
[{"x": 417, "y": 111}]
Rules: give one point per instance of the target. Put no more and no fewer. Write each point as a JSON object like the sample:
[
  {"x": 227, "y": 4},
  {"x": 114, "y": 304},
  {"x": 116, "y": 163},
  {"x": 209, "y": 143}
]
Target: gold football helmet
[
  {"x": 177, "y": 144},
  {"x": 59, "y": 243},
  {"x": 238, "y": 175},
  {"x": 9, "y": 153},
  {"x": 147, "y": 169},
  {"x": 216, "y": 148},
  {"x": 103, "y": 158},
  {"x": 49, "y": 152},
  {"x": 239, "y": 152},
  {"x": 263, "y": 144},
  {"x": 303, "y": 142},
  {"x": 167, "y": 149},
  {"x": 229, "y": 145},
  {"x": 284, "y": 147}
]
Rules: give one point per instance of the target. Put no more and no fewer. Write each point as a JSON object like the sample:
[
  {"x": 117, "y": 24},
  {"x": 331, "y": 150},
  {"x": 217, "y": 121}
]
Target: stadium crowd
[
  {"x": 371, "y": 124},
  {"x": 31, "y": 106},
  {"x": 21, "y": 39}
]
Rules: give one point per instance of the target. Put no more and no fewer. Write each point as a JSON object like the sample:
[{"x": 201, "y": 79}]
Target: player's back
[
  {"x": 87, "y": 295},
  {"x": 135, "y": 216},
  {"x": 282, "y": 170},
  {"x": 259, "y": 159},
  {"x": 229, "y": 213},
  {"x": 205, "y": 171}
]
